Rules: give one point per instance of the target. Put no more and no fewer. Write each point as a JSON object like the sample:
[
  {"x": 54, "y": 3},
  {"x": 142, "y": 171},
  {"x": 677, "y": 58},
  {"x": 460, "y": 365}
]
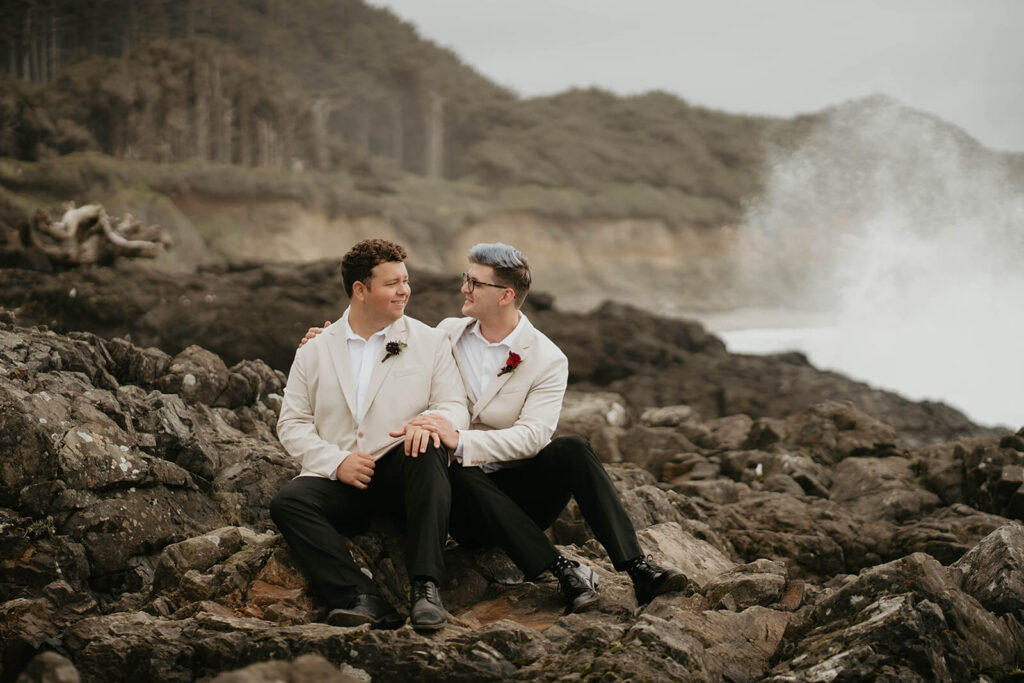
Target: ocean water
[
  {"x": 907, "y": 240},
  {"x": 981, "y": 376}
]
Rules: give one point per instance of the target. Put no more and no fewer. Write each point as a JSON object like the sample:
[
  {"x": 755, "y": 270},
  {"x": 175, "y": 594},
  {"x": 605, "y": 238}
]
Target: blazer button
[{"x": 359, "y": 434}]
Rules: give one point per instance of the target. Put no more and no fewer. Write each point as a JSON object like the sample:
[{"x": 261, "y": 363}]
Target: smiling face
[
  {"x": 386, "y": 293},
  {"x": 483, "y": 300}
]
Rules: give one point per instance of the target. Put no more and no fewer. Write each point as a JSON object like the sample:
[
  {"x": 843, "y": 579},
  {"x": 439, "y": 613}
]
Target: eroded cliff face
[
  {"x": 281, "y": 230},
  {"x": 647, "y": 262}
]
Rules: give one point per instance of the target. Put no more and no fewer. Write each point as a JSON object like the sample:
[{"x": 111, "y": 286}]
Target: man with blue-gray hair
[{"x": 509, "y": 479}]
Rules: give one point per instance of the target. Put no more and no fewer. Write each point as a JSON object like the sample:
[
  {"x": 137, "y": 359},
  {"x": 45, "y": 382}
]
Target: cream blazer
[
  {"x": 519, "y": 410},
  {"x": 317, "y": 422}
]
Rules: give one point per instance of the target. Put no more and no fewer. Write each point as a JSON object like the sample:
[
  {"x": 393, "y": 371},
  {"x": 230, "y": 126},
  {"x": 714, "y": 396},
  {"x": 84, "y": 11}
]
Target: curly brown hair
[{"x": 357, "y": 265}]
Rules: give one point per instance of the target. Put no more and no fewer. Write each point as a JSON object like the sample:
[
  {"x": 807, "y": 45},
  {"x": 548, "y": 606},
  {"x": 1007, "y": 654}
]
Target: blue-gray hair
[{"x": 510, "y": 266}]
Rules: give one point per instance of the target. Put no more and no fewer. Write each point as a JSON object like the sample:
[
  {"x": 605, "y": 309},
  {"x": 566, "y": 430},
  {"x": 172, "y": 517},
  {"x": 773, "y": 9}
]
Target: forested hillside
[
  {"x": 324, "y": 84},
  {"x": 239, "y": 81},
  {"x": 284, "y": 131}
]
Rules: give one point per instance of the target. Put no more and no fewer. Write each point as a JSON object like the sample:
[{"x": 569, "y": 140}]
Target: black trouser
[
  {"x": 511, "y": 507},
  {"x": 315, "y": 515}
]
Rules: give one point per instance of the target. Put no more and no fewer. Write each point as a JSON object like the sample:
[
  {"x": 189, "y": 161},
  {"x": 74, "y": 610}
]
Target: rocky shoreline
[
  {"x": 832, "y": 531},
  {"x": 251, "y": 310}
]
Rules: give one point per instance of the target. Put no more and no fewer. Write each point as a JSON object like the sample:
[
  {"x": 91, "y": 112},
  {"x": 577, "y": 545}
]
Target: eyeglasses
[{"x": 467, "y": 280}]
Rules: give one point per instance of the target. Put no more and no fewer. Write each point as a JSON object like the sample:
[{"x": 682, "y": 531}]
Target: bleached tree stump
[{"x": 85, "y": 234}]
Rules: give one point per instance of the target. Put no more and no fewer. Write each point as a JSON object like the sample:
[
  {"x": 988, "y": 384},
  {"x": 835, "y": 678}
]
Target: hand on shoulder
[{"x": 312, "y": 332}]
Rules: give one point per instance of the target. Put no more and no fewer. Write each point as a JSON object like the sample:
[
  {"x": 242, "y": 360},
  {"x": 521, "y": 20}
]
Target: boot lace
[
  {"x": 643, "y": 565},
  {"x": 424, "y": 590}
]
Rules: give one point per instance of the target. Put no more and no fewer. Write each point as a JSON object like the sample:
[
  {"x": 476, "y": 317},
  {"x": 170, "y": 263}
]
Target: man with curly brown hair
[
  {"x": 375, "y": 370},
  {"x": 510, "y": 480}
]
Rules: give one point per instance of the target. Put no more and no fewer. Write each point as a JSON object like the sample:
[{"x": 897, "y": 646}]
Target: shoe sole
[
  {"x": 676, "y": 583},
  {"x": 429, "y": 627},
  {"x": 353, "y": 619},
  {"x": 673, "y": 584},
  {"x": 350, "y": 619},
  {"x": 583, "y": 606}
]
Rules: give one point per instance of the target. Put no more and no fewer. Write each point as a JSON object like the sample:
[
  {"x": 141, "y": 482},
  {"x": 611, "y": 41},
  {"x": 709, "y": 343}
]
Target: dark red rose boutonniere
[
  {"x": 511, "y": 363},
  {"x": 393, "y": 348}
]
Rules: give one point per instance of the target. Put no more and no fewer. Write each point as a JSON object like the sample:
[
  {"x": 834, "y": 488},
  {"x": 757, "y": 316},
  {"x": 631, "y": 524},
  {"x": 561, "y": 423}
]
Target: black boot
[
  {"x": 426, "y": 612},
  {"x": 578, "y": 583},
  {"x": 650, "y": 580}
]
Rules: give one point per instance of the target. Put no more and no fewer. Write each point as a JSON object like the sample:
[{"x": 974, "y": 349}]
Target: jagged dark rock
[
  {"x": 881, "y": 488},
  {"x": 311, "y": 668},
  {"x": 760, "y": 582},
  {"x": 945, "y": 534},
  {"x": 246, "y": 311},
  {"x": 50, "y": 667},
  {"x": 993, "y": 478},
  {"x": 137, "y": 543},
  {"x": 906, "y": 619},
  {"x": 993, "y": 571}
]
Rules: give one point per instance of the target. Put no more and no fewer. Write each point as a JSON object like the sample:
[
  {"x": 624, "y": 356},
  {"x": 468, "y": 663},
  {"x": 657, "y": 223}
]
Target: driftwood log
[{"x": 86, "y": 234}]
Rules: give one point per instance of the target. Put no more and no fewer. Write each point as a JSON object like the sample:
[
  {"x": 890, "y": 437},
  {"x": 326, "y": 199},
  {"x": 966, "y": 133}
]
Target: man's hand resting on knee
[
  {"x": 439, "y": 425},
  {"x": 356, "y": 470},
  {"x": 416, "y": 439}
]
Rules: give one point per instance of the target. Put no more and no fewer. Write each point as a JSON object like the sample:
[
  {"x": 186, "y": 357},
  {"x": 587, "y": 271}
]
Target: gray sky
[{"x": 960, "y": 60}]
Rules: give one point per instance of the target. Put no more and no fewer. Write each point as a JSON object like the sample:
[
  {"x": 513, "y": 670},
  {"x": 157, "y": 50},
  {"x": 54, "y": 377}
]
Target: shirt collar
[
  {"x": 350, "y": 334},
  {"x": 509, "y": 338}
]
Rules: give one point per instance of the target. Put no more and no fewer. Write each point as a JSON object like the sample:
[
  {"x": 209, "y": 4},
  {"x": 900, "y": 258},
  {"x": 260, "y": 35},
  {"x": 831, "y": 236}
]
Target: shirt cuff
[
  {"x": 333, "y": 476},
  {"x": 458, "y": 449}
]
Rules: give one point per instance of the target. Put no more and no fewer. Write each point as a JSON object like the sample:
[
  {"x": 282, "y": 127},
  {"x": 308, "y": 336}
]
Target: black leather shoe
[
  {"x": 650, "y": 580},
  {"x": 579, "y": 585},
  {"x": 366, "y": 608},
  {"x": 427, "y": 612}
]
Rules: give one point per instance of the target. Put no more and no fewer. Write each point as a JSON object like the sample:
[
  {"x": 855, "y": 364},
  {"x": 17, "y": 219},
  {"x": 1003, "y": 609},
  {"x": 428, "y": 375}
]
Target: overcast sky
[{"x": 960, "y": 60}]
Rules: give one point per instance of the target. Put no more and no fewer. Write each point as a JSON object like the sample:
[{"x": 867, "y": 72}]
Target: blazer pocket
[{"x": 406, "y": 372}]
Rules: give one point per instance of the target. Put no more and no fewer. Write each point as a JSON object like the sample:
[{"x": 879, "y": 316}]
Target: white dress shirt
[
  {"x": 363, "y": 355},
  {"x": 483, "y": 360}
]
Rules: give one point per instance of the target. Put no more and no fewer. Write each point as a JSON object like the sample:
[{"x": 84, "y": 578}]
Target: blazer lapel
[
  {"x": 399, "y": 332},
  {"x": 460, "y": 362},
  {"x": 337, "y": 346},
  {"x": 520, "y": 346}
]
